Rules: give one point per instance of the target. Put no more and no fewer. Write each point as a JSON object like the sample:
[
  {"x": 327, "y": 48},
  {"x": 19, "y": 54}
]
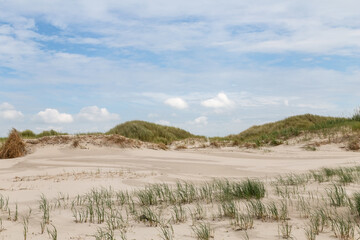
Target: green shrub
[
  {"x": 50, "y": 133},
  {"x": 28, "y": 134},
  {"x": 150, "y": 132}
]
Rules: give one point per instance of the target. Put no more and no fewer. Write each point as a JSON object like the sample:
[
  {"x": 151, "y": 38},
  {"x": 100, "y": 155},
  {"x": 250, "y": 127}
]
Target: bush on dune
[
  {"x": 28, "y": 134},
  {"x": 13, "y": 147},
  {"x": 150, "y": 132},
  {"x": 277, "y": 132}
]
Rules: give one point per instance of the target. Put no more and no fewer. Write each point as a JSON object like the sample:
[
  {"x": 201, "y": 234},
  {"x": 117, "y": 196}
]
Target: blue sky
[{"x": 210, "y": 67}]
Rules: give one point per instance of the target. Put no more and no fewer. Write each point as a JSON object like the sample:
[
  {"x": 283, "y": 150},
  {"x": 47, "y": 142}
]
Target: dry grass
[
  {"x": 14, "y": 146},
  {"x": 354, "y": 144},
  {"x": 181, "y": 147}
]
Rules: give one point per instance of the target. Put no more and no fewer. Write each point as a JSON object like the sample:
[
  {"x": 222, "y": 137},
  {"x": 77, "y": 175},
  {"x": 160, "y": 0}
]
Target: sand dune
[{"x": 56, "y": 169}]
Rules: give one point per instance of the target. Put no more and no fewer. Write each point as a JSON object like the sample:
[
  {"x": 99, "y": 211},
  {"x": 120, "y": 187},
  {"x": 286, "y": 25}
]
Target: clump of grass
[
  {"x": 166, "y": 232},
  {"x": 343, "y": 227},
  {"x": 292, "y": 180},
  {"x": 310, "y": 232},
  {"x": 242, "y": 221},
  {"x": 14, "y": 146},
  {"x": 357, "y": 202},
  {"x": 179, "y": 214},
  {"x": 228, "y": 209},
  {"x": 257, "y": 209},
  {"x": 104, "y": 234},
  {"x": 150, "y": 216},
  {"x": 240, "y": 190},
  {"x": 198, "y": 213},
  {"x": 285, "y": 229},
  {"x": 52, "y": 232},
  {"x": 337, "y": 196},
  {"x": 203, "y": 231}
]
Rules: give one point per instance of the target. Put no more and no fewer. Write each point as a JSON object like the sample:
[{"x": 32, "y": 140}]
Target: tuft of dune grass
[{"x": 13, "y": 147}]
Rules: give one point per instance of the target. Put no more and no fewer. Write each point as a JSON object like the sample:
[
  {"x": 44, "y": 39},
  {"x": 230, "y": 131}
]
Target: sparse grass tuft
[
  {"x": 203, "y": 231},
  {"x": 357, "y": 202}
]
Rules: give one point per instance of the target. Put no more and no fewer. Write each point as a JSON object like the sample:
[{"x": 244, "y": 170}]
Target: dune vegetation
[
  {"x": 277, "y": 132},
  {"x": 274, "y": 133},
  {"x": 13, "y": 147},
  {"x": 150, "y": 132}
]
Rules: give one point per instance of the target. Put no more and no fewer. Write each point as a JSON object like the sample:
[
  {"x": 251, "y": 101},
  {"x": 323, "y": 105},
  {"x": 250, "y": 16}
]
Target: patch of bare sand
[{"x": 61, "y": 172}]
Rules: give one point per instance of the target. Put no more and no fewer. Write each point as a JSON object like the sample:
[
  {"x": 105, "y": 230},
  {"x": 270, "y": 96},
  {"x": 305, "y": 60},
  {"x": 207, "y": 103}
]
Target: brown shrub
[
  {"x": 250, "y": 145},
  {"x": 180, "y": 147},
  {"x": 354, "y": 145},
  {"x": 215, "y": 144},
  {"x": 162, "y": 146},
  {"x": 14, "y": 146},
  {"x": 75, "y": 143}
]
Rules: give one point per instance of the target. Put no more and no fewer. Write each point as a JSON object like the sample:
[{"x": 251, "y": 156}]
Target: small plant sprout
[{"x": 52, "y": 232}]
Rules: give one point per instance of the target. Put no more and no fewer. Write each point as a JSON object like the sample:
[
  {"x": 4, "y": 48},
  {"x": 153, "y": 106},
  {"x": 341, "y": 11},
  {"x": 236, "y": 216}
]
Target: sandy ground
[{"x": 54, "y": 170}]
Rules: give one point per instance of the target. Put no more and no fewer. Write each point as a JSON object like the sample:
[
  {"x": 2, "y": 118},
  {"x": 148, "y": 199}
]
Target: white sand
[{"x": 54, "y": 169}]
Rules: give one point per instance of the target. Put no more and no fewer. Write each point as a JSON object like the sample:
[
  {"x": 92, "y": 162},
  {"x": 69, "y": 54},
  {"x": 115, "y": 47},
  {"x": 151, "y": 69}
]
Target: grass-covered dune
[
  {"x": 276, "y": 132},
  {"x": 150, "y": 132}
]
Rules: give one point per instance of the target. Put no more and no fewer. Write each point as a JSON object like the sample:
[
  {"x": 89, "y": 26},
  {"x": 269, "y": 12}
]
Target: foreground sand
[{"x": 60, "y": 172}]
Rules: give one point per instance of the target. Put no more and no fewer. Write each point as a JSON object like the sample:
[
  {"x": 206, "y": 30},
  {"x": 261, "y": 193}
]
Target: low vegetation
[
  {"x": 278, "y": 132},
  {"x": 308, "y": 126},
  {"x": 316, "y": 201},
  {"x": 150, "y": 132},
  {"x": 13, "y": 147}
]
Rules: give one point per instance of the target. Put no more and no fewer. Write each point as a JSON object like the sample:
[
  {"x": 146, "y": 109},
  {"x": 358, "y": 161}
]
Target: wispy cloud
[{"x": 96, "y": 114}]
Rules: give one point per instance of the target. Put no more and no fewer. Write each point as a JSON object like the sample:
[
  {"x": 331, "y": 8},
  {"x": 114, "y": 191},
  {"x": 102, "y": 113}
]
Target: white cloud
[
  {"x": 96, "y": 114},
  {"x": 8, "y": 112},
  {"x": 177, "y": 102},
  {"x": 163, "y": 122},
  {"x": 220, "y": 101},
  {"x": 201, "y": 120},
  {"x": 50, "y": 115}
]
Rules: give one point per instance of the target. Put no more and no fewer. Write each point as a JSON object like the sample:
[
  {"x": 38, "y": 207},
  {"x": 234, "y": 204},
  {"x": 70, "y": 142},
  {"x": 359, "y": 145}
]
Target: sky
[{"x": 211, "y": 67}]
